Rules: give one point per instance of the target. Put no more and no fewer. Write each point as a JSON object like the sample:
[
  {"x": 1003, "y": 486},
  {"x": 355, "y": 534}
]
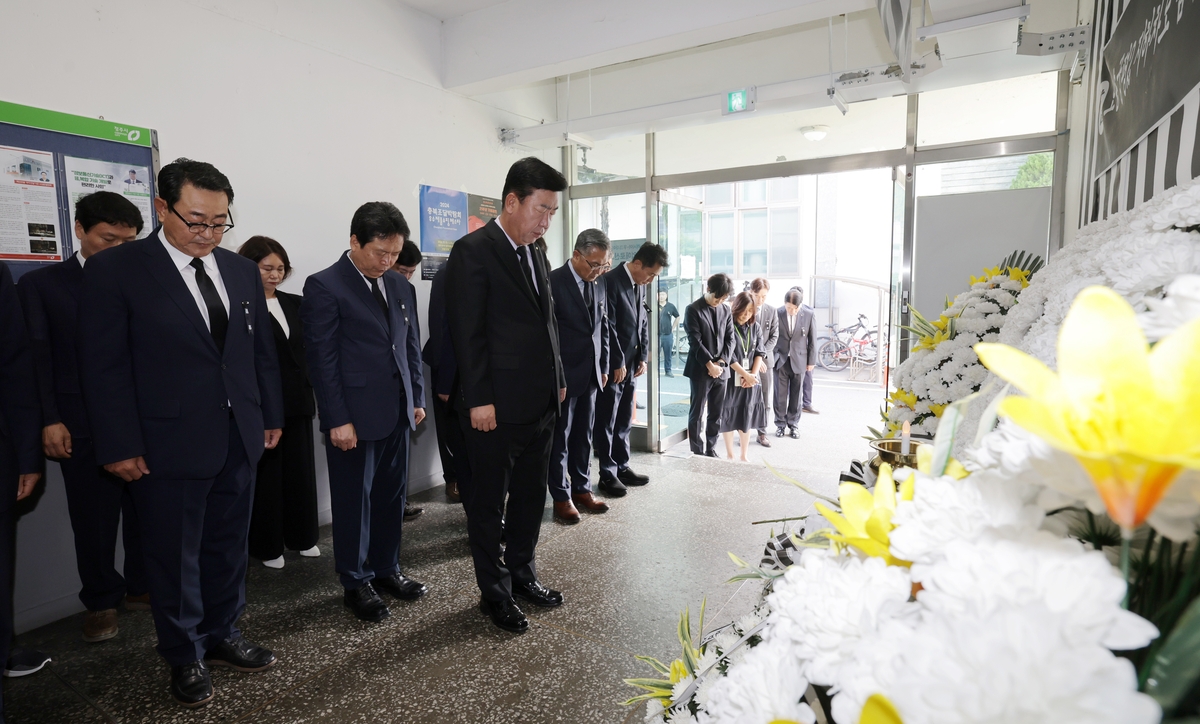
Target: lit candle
[{"x": 905, "y": 436}]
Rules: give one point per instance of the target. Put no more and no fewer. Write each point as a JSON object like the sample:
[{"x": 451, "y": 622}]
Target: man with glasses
[
  {"x": 182, "y": 389},
  {"x": 364, "y": 357},
  {"x": 583, "y": 338},
  {"x": 500, "y": 310},
  {"x": 629, "y": 351}
]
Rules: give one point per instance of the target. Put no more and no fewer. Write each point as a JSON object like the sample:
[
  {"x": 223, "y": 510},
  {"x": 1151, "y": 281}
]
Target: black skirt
[{"x": 745, "y": 408}]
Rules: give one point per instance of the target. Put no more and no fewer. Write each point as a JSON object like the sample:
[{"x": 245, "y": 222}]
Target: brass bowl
[{"x": 888, "y": 450}]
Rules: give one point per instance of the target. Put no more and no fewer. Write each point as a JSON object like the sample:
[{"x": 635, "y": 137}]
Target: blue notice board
[{"x": 443, "y": 218}]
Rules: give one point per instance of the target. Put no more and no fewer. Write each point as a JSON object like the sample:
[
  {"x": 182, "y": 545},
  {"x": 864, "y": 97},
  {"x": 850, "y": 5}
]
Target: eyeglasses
[{"x": 199, "y": 228}]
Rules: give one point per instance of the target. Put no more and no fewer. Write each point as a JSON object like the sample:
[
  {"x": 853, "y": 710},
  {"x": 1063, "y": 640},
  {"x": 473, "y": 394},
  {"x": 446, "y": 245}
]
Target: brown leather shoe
[
  {"x": 99, "y": 625},
  {"x": 137, "y": 603},
  {"x": 590, "y": 503},
  {"x": 452, "y": 491},
  {"x": 564, "y": 512}
]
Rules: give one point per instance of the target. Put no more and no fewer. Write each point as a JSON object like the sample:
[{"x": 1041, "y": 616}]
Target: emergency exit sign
[{"x": 740, "y": 100}]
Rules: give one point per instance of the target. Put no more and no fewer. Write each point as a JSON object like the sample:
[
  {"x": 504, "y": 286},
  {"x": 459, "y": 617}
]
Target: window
[
  {"x": 785, "y": 189},
  {"x": 722, "y": 238},
  {"x": 752, "y": 193},
  {"x": 754, "y": 242},
  {"x": 718, "y": 195},
  {"x": 785, "y": 241},
  {"x": 986, "y": 174},
  {"x": 611, "y": 160},
  {"x": 1009, "y": 107}
]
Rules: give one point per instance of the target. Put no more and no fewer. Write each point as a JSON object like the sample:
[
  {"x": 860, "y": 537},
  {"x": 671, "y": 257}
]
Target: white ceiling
[{"x": 447, "y": 9}]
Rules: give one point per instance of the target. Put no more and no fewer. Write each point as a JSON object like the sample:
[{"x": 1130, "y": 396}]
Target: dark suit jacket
[
  {"x": 505, "y": 337},
  {"x": 768, "y": 327},
  {"x": 798, "y": 347},
  {"x": 154, "y": 383},
  {"x": 20, "y": 418},
  {"x": 50, "y": 298},
  {"x": 293, "y": 366},
  {"x": 707, "y": 341},
  {"x": 360, "y": 362},
  {"x": 583, "y": 335},
  {"x": 628, "y": 320}
]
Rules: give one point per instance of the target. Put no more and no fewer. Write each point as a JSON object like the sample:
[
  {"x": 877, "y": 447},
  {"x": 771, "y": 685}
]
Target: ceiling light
[{"x": 815, "y": 133}]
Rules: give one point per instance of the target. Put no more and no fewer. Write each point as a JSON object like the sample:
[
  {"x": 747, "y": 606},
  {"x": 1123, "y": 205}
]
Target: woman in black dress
[
  {"x": 744, "y": 407},
  {"x": 285, "y": 494}
]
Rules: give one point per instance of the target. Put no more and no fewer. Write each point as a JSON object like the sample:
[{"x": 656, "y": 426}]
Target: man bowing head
[
  {"x": 500, "y": 312},
  {"x": 182, "y": 390}
]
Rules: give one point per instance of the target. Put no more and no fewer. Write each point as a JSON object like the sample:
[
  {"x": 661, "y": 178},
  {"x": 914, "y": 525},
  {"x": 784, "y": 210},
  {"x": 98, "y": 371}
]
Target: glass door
[{"x": 680, "y": 232}]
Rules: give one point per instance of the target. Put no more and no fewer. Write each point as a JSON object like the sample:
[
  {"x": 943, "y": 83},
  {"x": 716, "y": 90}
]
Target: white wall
[{"x": 311, "y": 108}]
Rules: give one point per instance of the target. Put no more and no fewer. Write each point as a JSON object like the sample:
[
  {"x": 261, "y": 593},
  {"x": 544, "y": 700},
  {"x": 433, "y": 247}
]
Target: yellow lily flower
[
  {"x": 1020, "y": 275},
  {"x": 954, "y": 468},
  {"x": 879, "y": 710},
  {"x": 866, "y": 520},
  {"x": 941, "y": 322},
  {"x": 1127, "y": 413},
  {"x": 931, "y": 342},
  {"x": 937, "y": 409},
  {"x": 678, "y": 671},
  {"x": 904, "y": 398}
]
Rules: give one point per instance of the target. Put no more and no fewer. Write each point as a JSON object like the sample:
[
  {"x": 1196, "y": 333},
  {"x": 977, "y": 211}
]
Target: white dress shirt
[
  {"x": 79, "y": 257},
  {"x": 277, "y": 312},
  {"x": 183, "y": 263},
  {"x": 792, "y": 321},
  {"x": 528, "y": 256}
]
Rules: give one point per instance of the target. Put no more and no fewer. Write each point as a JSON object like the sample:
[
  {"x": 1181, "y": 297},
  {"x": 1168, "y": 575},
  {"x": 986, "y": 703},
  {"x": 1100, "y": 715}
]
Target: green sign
[
  {"x": 739, "y": 101},
  {"x": 75, "y": 125}
]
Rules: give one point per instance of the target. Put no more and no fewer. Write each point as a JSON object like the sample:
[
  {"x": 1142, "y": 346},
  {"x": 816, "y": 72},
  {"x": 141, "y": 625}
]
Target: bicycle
[{"x": 846, "y": 346}]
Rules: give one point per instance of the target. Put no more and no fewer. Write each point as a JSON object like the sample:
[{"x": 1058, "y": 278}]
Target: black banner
[{"x": 1151, "y": 62}]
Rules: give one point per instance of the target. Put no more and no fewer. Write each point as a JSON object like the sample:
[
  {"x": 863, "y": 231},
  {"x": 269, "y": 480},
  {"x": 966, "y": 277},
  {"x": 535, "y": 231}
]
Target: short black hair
[
  {"x": 377, "y": 220},
  {"x": 651, "y": 255},
  {"x": 531, "y": 174},
  {"x": 105, "y": 207},
  {"x": 720, "y": 285},
  {"x": 795, "y": 295},
  {"x": 174, "y": 175},
  {"x": 410, "y": 255},
  {"x": 258, "y": 248}
]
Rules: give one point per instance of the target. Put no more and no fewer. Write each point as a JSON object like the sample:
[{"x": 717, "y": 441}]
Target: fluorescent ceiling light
[{"x": 815, "y": 133}]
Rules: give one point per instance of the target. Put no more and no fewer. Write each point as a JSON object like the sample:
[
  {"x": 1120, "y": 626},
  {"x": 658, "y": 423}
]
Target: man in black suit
[
  {"x": 438, "y": 353},
  {"x": 583, "y": 337},
  {"x": 709, "y": 326},
  {"x": 20, "y": 443},
  {"x": 364, "y": 357},
  {"x": 794, "y": 354},
  {"x": 629, "y": 350},
  {"x": 96, "y": 501},
  {"x": 500, "y": 311},
  {"x": 183, "y": 394}
]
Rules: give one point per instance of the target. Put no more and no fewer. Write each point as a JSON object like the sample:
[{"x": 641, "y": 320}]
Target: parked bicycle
[{"x": 855, "y": 343}]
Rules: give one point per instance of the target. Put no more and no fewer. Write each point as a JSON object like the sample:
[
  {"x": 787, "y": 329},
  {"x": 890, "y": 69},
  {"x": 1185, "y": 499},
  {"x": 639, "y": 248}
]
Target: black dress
[
  {"x": 745, "y": 408},
  {"x": 285, "y": 490}
]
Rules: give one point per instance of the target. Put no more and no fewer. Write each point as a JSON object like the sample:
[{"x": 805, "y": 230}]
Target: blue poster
[{"x": 443, "y": 218}]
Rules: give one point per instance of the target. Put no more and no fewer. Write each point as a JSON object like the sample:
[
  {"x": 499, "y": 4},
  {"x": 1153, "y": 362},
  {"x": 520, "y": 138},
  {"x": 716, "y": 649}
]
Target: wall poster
[
  {"x": 28, "y": 206},
  {"x": 446, "y": 217},
  {"x": 85, "y": 176}
]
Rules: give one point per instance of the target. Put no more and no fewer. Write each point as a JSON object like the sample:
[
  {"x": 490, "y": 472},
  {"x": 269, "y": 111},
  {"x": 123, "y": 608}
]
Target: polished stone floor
[{"x": 626, "y": 576}]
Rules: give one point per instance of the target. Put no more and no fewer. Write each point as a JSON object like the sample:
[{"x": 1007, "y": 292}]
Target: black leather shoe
[
  {"x": 191, "y": 684},
  {"x": 537, "y": 594},
  {"x": 612, "y": 487},
  {"x": 710, "y": 453},
  {"x": 366, "y": 603},
  {"x": 400, "y": 586},
  {"x": 793, "y": 434},
  {"x": 239, "y": 654},
  {"x": 505, "y": 614},
  {"x": 412, "y": 511},
  {"x": 762, "y": 440},
  {"x": 779, "y": 432},
  {"x": 629, "y": 477}
]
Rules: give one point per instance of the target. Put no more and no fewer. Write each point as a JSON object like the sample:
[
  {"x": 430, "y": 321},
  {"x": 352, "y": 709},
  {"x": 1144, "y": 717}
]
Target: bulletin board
[{"x": 48, "y": 160}]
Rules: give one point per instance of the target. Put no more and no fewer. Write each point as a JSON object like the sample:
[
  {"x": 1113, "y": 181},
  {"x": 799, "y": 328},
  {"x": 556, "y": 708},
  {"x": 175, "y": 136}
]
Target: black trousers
[
  {"x": 512, "y": 461},
  {"x": 571, "y": 452},
  {"x": 614, "y": 420},
  {"x": 368, "y": 485},
  {"x": 285, "y": 494},
  {"x": 97, "y": 501},
  {"x": 194, "y": 537},
  {"x": 788, "y": 387},
  {"x": 449, "y": 438},
  {"x": 706, "y": 393}
]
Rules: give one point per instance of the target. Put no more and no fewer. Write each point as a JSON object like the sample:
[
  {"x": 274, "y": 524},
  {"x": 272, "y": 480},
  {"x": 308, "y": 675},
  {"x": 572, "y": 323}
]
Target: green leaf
[
  {"x": 802, "y": 486},
  {"x": 651, "y": 684},
  {"x": 1176, "y": 666},
  {"x": 645, "y": 697},
  {"x": 655, "y": 664}
]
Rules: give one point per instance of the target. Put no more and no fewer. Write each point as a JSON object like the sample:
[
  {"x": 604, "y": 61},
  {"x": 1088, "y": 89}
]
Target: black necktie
[
  {"x": 218, "y": 318},
  {"x": 378, "y": 294},
  {"x": 589, "y": 297},
  {"x": 524, "y": 259}
]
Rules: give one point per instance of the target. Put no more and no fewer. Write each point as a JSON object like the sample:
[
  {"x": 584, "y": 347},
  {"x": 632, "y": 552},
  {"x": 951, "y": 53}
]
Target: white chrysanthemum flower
[
  {"x": 1181, "y": 306},
  {"x": 765, "y": 686}
]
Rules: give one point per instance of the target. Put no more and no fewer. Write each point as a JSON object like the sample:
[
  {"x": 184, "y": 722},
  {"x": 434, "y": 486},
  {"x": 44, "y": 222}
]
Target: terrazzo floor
[{"x": 625, "y": 574}]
